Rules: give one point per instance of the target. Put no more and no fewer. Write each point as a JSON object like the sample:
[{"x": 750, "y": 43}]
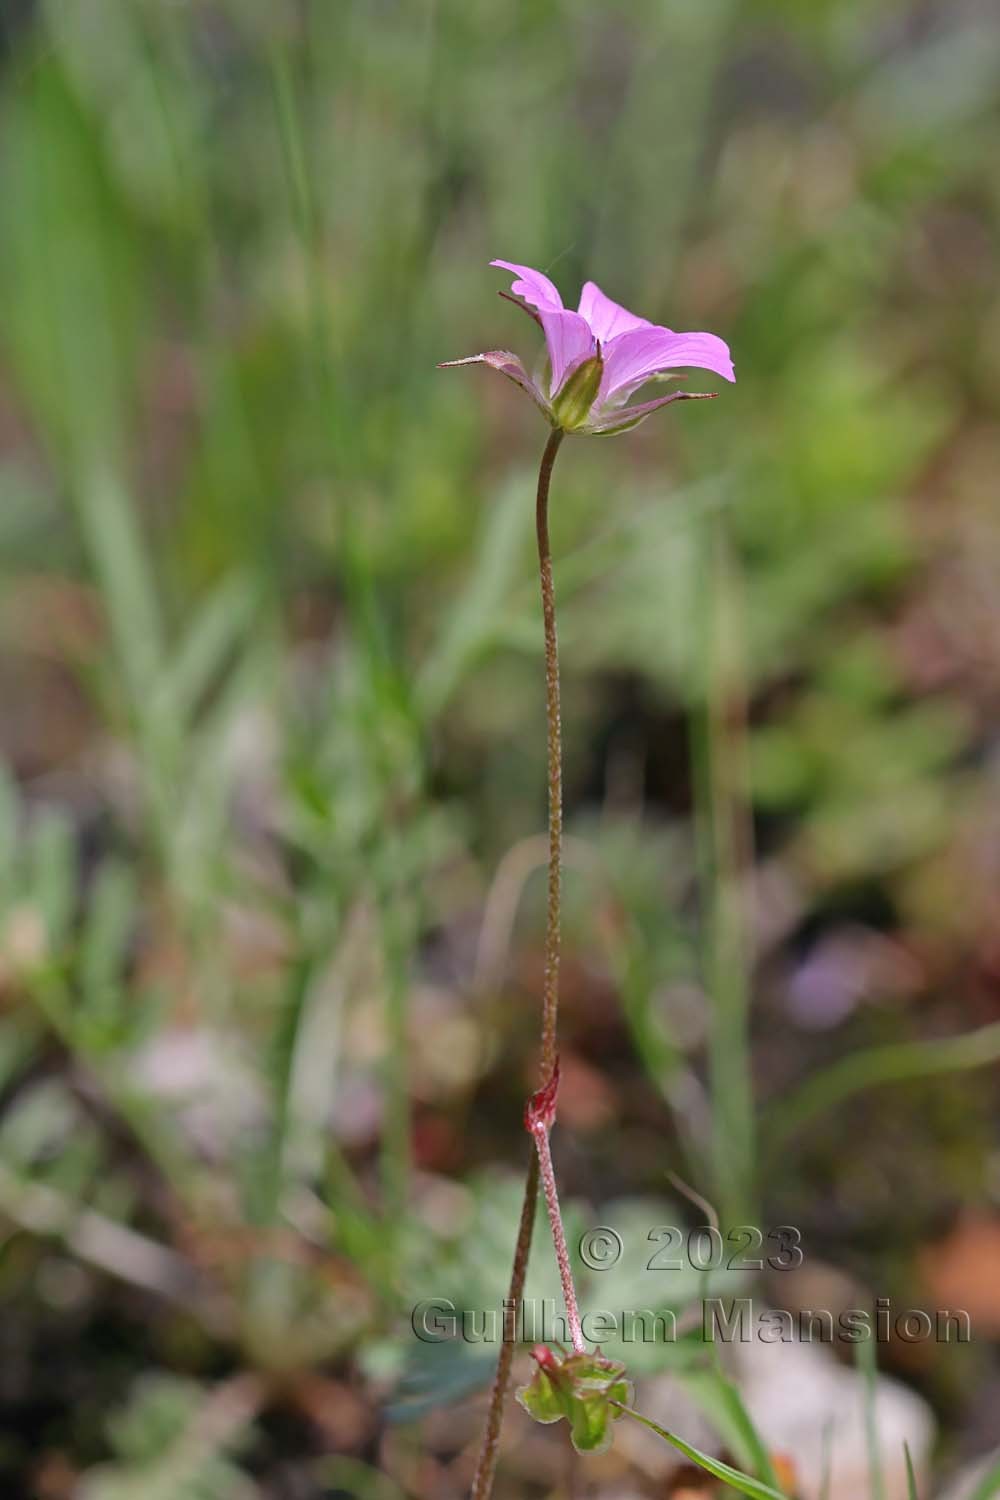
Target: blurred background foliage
[{"x": 270, "y": 909}]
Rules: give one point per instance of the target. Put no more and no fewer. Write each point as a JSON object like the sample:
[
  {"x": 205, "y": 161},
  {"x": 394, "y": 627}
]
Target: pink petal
[
  {"x": 507, "y": 364},
  {"x": 535, "y": 288},
  {"x": 633, "y": 357},
  {"x": 606, "y": 318},
  {"x": 570, "y": 342}
]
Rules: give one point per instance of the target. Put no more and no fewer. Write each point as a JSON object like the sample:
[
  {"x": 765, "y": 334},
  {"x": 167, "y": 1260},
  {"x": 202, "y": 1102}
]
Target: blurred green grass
[{"x": 271, "y": 657}]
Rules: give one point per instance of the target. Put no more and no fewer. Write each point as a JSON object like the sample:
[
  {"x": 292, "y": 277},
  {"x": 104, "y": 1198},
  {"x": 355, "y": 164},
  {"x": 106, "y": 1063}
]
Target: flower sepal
[
  {"x": 626, "y": 417},
  {"x": 507, "y": 364},
  {"x": 572, "y": 407},
  {"x": 582, "y": 1388}
]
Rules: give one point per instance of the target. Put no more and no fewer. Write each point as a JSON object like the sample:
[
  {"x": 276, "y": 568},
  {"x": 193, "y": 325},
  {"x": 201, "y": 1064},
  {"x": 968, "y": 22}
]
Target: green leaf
[
  {"x": 742, "y": 1482},
  {"x": 873, "y": 1066},
  {"x": 473, "y": 621},
  {"x": 208, "y": 645},
  {"x": 104, "y": 943},
  {"x": 722, "y": 1403},
  {"x": 868, "y": 1369},
  {"x": 9, "y": 834},
  {"x": 52, "y": 853}
]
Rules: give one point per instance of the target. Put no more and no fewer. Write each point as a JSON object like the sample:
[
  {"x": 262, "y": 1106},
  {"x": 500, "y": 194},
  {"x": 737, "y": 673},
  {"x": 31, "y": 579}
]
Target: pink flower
[{"x": 598, "y": 357}]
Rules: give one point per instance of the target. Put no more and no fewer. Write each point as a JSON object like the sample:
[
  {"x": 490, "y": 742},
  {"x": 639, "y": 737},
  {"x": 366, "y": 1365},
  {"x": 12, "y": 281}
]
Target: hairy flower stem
[
  {"x": 482, "y": 1482},
  {"x": 486, "y": 1464},
  {"x": 541, "y": 1135},
  {"x": 549, "y": 1066},
  {"x": 550, "y": 989}
]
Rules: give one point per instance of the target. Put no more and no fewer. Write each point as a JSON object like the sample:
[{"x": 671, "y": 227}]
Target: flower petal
[
  {"x": 633, "y": 357},
  {"x": 569, "y": 340},
  {"x": 606, "y": 318},
  {"x": 509, "y": 365},
  {"x": 535, "y": 288},
  {"x": 624, "y": 418}
]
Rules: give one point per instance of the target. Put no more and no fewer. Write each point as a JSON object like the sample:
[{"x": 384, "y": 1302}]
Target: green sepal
[
  {"x": 590, "y": 1425},
  {"x": 542, "y": 1399},
  {"x": 581, "y": 1389},
  {"x": 572, "y": 406},
  {"x": 624, "y": 418}
]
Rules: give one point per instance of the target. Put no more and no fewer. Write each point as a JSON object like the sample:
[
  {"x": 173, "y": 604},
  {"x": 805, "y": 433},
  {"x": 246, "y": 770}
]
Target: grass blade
[
  {"x": 878, "y": 1065},
  {"x": 866, "y": 1366},
  {"x": 746, "y": 1485},
  {"x": 723, "y": 1405}
]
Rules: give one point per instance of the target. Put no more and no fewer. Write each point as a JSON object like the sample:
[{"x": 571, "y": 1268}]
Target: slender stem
[
  {"x": 541, "y": 1135},
  {"x": 550, "y": 991},
  {"x": 482, "y": 1482}
]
